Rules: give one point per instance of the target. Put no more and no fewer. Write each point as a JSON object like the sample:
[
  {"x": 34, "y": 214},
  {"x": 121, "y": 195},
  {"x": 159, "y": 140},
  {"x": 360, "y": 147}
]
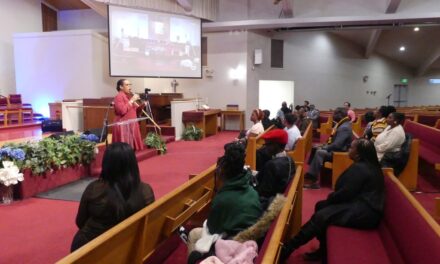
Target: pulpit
[{"x": 203, "y": 119}]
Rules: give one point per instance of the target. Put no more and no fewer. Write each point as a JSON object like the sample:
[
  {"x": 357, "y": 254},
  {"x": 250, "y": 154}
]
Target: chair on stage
[
  {"x": 26, "y": 112},
  {"x": 16, "y": 100}
]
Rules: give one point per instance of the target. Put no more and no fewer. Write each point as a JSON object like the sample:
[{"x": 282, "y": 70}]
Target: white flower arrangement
[{"x": 9, "y": 174}]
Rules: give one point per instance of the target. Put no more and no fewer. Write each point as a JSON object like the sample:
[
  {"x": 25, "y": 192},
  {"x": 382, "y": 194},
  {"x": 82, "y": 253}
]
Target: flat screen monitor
[{"x": 153, "y": 44}]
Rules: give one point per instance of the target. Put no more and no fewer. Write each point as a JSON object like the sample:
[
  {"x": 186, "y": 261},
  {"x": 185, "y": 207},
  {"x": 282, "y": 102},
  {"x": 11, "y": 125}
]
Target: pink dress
[{"x": 128, "y": 133}]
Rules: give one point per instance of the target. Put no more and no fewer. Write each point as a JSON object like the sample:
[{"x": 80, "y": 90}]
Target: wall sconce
[
  {"x": 209, "y": 73},
  {"x": 371, "y": 92},
  {"x": 238, "y": 73}
]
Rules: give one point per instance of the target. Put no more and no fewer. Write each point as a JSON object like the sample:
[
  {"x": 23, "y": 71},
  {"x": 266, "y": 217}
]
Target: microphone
[{"x": 388, "y": 96}]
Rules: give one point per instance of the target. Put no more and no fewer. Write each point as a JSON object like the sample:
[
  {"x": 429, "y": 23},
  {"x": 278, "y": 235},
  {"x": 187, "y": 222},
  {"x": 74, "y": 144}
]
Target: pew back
[
  {"x": 137, "y": 237},
  {"x": 302, "y": 145},
  {"x": 254, "y": 143},
  {"x": 287, "y": 223}
]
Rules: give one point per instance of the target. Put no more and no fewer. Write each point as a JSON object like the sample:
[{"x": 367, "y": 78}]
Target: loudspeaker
[
  {"x": 52, "y": 125},
  {"x": 97, "y": 132}
]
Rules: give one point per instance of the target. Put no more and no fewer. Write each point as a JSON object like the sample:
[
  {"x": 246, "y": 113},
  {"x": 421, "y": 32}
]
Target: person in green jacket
[{"x": 236, "y": 205}]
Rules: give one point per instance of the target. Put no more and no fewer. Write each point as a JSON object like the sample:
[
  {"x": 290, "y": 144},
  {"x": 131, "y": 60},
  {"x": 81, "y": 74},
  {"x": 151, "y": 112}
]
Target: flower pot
[{"x": 6, "y": 194}]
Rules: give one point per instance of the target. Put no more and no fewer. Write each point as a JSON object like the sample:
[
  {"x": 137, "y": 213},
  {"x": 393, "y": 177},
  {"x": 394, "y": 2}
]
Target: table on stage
[
  {"x": 226, "y": 113},
  {"x": 203, "y": 119}
]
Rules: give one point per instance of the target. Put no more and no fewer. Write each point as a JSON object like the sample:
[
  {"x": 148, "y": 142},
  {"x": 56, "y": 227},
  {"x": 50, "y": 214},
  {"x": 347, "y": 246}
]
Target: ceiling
[{"x": 67, "y": 4}]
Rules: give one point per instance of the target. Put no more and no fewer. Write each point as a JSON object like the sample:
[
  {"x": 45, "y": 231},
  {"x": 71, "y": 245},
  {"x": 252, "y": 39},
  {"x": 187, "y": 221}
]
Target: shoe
[
  {"x": 313, "y": 256},
  {"x": 308, "y": 177},
  {"x": 284, "y": 254},
  {"x": 183, "y": 234},
  {"x": 312, "y": 186}
]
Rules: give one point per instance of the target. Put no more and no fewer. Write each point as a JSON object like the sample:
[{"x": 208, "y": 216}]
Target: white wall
[
  {"x": 421, "y": 92},
  {"x": 225, "y": 51},
  {"x": 16, "y": 16},
  {"x": 81, "y": 19},
  {"x": 327, "y": 70},
  {"x": 53, "y": 66}
]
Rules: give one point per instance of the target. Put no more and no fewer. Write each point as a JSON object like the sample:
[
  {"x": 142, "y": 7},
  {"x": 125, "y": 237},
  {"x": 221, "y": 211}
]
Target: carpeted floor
[{"x": 39, "y": 230}]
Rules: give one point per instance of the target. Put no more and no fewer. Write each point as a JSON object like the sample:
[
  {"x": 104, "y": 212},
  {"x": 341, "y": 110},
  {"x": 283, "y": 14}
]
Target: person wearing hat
[{"x": 278, "y": 170}]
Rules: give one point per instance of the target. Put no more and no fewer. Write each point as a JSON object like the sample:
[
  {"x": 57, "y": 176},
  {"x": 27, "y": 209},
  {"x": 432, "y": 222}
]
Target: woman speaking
[{"x": 125, "y": 109}]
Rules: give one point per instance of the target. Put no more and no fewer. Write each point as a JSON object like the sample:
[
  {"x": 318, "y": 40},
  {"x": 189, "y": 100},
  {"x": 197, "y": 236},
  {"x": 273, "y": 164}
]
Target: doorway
[
  {"x": 272, "y": 93},
  {"x": 400, "y": 95}
]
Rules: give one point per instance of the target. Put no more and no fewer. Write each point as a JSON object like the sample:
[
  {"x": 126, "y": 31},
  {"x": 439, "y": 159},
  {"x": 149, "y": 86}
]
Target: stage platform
[{"x": 26, "y": 131}]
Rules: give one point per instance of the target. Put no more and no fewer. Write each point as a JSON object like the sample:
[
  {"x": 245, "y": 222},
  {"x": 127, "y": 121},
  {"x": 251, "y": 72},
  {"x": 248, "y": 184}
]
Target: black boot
[
  {"x": 307, "y": 232},
  {"x": 286, "y": 250}
]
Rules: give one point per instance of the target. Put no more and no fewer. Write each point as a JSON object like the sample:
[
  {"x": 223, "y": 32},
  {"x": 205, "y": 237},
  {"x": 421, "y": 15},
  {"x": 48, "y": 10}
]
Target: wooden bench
[
  {"x": 406, "y": 234},
  {"x": 408, "y": 177},
  {"x": 254, "y": 143},
  {"x": 135, "y": 239},
  {"x": 437, "y": 124},
  {"x": 287, "y": 224},
  {"x": 302, "y": 145}
]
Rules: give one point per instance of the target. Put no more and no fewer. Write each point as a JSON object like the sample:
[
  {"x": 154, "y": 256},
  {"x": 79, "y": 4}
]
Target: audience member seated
[
  {"x": 357, "y": 202},
  {"x": 276, "y": 172},
  {"x": 235, "y": 207},
  {"x": 306, "y": 106},
  {"x": 388, "y": 143},
  {"x": 392, "y": 137},
  {"x": 351, "y": 114},
  {"x": 292, "y": 130},
  {"x": 283, "y": 111},
  {"x": 379, "y": 125},
  {"x": 257, "y": 128},
  {"x": 118, "y": 194},
  {"x": 313, "y": 115},
  {"x": 368, "y": 118},
  {"x": 339, "y": 140},
  {"x": 266, "y": 122},
  {"x": 302, "y": 123}
]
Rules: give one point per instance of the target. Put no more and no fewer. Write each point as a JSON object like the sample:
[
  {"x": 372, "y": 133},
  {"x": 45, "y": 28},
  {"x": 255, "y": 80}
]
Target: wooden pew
[
  {"x": 254, "y": 143},
  {"x": 302, "y": 145},
  {"x": 288, "y": 222},
  {"x": 357, "y": 125},
  {"x": 326, "y": 128},
  {"x": 137, "y": 237},
  {"x": 437, "y": 124},
  {"x": 408, "y": 177}
]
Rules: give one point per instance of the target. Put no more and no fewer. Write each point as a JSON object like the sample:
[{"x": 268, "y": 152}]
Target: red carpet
[{"x": 40, "y": 230}]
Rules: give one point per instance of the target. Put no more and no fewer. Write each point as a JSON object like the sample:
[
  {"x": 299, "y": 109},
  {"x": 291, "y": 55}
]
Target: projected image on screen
[{"x": 152, "y": 44}]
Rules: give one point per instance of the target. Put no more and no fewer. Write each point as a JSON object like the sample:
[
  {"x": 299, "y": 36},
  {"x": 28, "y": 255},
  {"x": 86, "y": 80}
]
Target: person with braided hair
[{"x": 357, "y": 202}]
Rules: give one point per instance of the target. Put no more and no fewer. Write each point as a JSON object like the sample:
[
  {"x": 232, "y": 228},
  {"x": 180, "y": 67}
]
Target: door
[
  {"x": 400, "y": 98},
  {"x": 272, "y": 93}
]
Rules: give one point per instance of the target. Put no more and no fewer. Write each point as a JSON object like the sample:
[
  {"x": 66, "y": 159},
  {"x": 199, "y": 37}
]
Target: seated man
[
  {"x": 339, "y": 140},
  {"x": 276, "y": 172},
  {"x": 292, "y": 131},
  {"x": 302, "y": 123},
  {"x": 313, "y": 115},
  {"x": 266, "y": 121}
]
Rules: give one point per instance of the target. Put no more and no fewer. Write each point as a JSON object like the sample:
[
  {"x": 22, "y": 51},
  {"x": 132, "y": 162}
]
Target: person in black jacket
[
  {"x": 357, "y": 202},
  {"x": 116, "y": 195},
  {"x": 278, "y": 168},
  {"x": 339, "y": 140}
]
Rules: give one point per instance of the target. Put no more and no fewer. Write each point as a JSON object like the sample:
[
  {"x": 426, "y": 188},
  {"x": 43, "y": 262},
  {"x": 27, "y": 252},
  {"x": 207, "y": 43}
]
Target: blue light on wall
[{"x": 434, "y": 81}]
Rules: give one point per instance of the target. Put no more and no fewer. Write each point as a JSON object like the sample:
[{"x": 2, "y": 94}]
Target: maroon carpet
[{"x": 40, "y": 230}]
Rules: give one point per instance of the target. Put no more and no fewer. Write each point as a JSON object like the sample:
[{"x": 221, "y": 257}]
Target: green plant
[
  {"x": 49, "y": 154},
  {"x": 154, "y": 140},
  {"x": 192, "y": 133}
]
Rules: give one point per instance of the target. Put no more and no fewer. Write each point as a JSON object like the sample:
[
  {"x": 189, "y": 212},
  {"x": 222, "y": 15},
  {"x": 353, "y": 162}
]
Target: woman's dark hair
[
  {"x": 290, "y": 119},
  {"x": 399, "y": 117},
  {"x": 121, "y": 172},
  {"x": 119, "y": 83},
  {"x": 348, "y": 104},
  {"x": 391, "y": 109},
  {"x": 232, "y": 162},
  {"x": 266, "y": 113},
  {"x": 369, "y": 116},
  {"x": 384, "y": 111},
  {"x": 367, "y": 152}
]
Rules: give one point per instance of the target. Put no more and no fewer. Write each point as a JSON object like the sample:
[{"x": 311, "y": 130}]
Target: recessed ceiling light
[
  {"x": 416, "y": 29},
  {"x": 402, "y": 48}
]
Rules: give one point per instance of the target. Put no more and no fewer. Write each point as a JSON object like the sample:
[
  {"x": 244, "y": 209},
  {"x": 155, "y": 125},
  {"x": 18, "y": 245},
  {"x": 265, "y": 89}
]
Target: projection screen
[{"x": 151, "y": 44}]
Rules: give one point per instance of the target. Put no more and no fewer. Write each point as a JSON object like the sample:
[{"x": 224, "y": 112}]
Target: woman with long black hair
[
  {"x": 116, "y": 195},
  {"x": 357, "y": 202}
]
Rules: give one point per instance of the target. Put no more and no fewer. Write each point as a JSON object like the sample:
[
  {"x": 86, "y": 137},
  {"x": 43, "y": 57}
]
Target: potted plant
[
  {"x": 192, "y": 132},
  {"x": 9, "y": 172},
  {"x": 154, "y": 140}
]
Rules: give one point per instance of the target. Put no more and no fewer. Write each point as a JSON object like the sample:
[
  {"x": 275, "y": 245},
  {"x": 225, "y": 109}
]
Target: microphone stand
[{"x": 104, "y": 127}]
